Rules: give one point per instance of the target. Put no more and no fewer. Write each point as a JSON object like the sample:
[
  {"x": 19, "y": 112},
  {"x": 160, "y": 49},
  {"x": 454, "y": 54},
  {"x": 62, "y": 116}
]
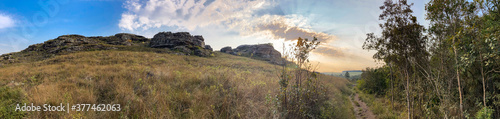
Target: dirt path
[{"x": 361, "y": 109}]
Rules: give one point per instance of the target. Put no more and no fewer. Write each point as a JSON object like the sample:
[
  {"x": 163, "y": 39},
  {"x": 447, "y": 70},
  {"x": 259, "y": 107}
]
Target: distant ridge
[{"x": 352, "y": 71}]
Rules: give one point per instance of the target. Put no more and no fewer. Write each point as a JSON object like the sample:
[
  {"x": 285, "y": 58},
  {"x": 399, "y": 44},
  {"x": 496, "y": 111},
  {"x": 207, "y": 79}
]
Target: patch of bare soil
[{"x": 361, "y": 109}]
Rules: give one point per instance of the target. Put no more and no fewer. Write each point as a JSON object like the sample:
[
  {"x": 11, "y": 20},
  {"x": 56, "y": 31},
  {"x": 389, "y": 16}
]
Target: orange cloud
[
  {"x": 329, "y": 51},
  {"x": 280, "y": 29}
]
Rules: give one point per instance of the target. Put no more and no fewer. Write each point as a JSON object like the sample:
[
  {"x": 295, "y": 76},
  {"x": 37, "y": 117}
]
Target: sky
[{"x": 340, "y": 25}]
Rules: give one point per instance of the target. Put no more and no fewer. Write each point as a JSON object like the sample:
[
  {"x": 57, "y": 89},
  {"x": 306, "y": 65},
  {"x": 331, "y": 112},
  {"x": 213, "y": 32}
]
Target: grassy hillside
[{"x": 152, "y": 85}]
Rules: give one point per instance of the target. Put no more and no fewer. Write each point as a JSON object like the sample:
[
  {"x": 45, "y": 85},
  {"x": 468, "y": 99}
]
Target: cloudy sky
[{"x": 340, "y": 25}]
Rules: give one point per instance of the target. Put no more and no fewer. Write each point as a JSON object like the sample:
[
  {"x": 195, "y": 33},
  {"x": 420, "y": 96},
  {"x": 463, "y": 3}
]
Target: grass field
[{"x": 152, "y": 85}]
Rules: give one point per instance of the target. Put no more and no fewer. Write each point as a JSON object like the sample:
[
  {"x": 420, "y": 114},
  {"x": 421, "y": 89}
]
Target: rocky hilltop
[
  {"x": 72, "y": 43},
  {"x": 181, "y": 43},
  {"x": 264, "y": 52}
]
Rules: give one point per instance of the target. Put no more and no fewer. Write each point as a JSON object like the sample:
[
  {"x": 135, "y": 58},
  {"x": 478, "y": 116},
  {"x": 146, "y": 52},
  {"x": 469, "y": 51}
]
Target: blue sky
[{"x": 340, "y": 25}]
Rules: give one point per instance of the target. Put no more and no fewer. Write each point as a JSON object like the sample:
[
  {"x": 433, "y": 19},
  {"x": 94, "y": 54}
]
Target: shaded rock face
[
  {"x": 124, "y": 39},
  {"x": 208, "y": 47},
  {"x": 171, "y": 40},
  {"x": 181, "y": 42},
  {"x": 68, "y": 43},
  {"x": 264, "y": 52},
  {"x": 227, "y": 50},
  {"x": 72, "y": 43}
]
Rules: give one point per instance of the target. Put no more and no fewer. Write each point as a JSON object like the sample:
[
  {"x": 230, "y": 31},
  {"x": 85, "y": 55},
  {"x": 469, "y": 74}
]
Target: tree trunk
[
  {"x": 458, "y": 80},
  {"x": 482, "y": 76},
  {"x": 408, "y": 93},
  {"x": 392, "y": 88}
]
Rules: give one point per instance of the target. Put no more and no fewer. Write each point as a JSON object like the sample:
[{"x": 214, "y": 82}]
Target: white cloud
[
  {"x": 233, "y": 15},
  {"x": 225, "y": 22},
  {"x": 6, "y": 21},
  {"x": 237, "y": 22},
  {"x": 185, "y": 14},
  {"x": 288, "y": 27}
]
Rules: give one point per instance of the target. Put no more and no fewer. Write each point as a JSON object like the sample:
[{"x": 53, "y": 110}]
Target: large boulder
[
  {"x": 208, "y": 47},
  {"x": 181, "y": 42},
  {"x": 171, "y": 40},
  {"x": 264, "y": 52},
  {"x": 227, "y": 50}
]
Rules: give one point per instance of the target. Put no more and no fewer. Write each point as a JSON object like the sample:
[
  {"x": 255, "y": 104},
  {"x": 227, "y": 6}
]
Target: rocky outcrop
[
  {"x": 227, "y": 50},
  {"x": 171, "y": 40},
  {"x": 68, "y": 43},
  {"x": 208, "y": 47},
  {"x": 124, "y": 39},
  {"x": 72, "y": 43},
  {"x": 182, "y": 42},
  {"x": 264, "y": 52}
]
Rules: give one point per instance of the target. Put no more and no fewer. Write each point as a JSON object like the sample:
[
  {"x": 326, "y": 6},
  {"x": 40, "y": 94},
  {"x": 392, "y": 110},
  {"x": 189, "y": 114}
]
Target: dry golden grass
[{"x": 154, "y": 85}]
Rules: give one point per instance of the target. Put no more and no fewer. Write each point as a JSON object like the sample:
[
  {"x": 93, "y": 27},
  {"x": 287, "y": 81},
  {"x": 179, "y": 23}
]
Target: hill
[{"x": 146, "y": 82}]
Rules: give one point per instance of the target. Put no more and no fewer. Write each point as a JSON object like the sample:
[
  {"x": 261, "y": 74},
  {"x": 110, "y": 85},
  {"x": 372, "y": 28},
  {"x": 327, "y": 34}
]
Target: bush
[
  {"x": 485, "y": 113},
  {"x": 306, "y": 97},
  {"x": 9, "y": 98},
  {"x": 373, "y": 81}
]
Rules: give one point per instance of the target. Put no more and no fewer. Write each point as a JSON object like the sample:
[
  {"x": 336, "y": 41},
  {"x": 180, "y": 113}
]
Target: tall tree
[
  {"x": 446, "y": 19},
  {"x": 402, "y": 42}
]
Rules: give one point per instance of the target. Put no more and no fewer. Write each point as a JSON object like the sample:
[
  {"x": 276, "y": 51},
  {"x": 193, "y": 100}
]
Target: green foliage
[
  {"x": 301, "y": 94},
  {"x": 9, "y": 98},
  {"x": 458, "y": 77},
  {"x": 373, "y": 81},
  {"x": 485, "y": 113}
]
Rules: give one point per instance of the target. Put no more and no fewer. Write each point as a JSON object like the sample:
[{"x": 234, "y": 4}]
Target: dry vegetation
[{"x": 152, "y": 85}]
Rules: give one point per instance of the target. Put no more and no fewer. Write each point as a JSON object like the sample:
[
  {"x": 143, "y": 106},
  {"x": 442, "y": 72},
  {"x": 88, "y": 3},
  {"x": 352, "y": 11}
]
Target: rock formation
[
  {"x": 124, "y": 39},
  {"x": 227, "y": 50},
  {"x": 264, "y": 52},
  {"x": 69, "y": 43},
  {"x": 182, "y": 42}
]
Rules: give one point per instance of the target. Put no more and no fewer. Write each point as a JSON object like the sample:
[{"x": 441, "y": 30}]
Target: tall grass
[
  {"x": 381, "y": 106},
  {"x": 148, "y": 84}
]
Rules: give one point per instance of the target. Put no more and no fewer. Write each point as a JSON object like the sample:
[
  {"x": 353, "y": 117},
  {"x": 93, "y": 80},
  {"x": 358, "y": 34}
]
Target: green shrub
[
  {"x": 373, "y": 81},
  {"x": 301, "y": 94},
  {"x": 485, "y": 113},
  {"x": 9, "y": 98}
]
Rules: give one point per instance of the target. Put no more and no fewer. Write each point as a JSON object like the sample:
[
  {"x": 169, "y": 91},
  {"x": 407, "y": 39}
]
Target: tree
[
  {"x": 402, "y": 42},
  {"x": 374, "y": 81},
  {"x": 301, "y": 95},
  {"x": 461, "y": 25},
  {"x": 452, "y": 71},
  {"x": 347, "y": 75}
]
